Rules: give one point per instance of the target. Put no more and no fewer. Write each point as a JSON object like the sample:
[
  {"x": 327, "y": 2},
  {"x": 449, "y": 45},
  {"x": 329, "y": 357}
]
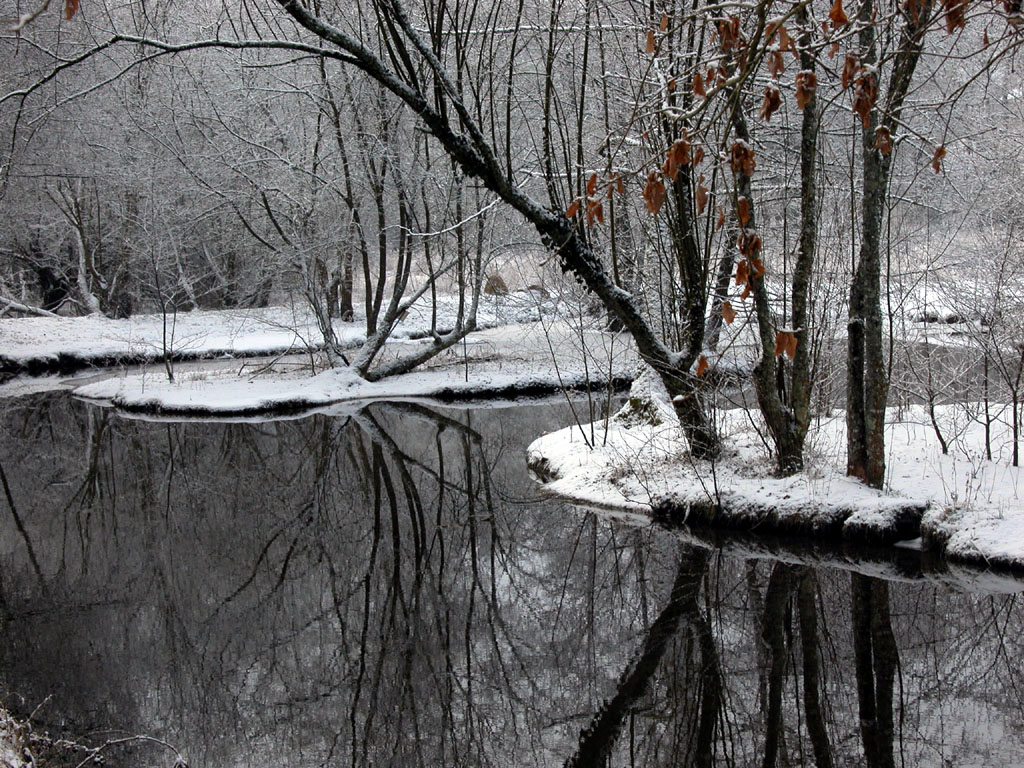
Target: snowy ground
[
  {"x": 38, "y": 343},
  {"x": 509, "y": 360},
  {"x": 971, "y": 507}
]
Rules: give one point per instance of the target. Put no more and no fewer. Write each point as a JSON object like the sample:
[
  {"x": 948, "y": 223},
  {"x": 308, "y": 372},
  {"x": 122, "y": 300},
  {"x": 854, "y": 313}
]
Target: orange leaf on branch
[
  {"x": 728, "y": 313},
  {"x": 729, "y": 33},
  {"x": 837, "y": 15},
  {"x": 698, "y": 86},
  {"x": 651, "y": 46},
  {"x": 940, "y": 153},
  {"x": 70, "y": 9},
  {"x": 883, "y": 140},
  {"x": 702, "y": 196},
  {"x": 664, "y": 22},
  {"x": 785, "y": 343},
  {"x": 770, "y": 105},
  {"x": 743, "y": 211},
  {"x": 573, "y": 209},
  {"x": 779, "y": 30},
  {"x": 742, "y": 273},
  {"x": 720, "y": 221},
  {"x": 865, "y": 94},
  {"x": 776, "y": 66},
  {"x": 677, "y": 155},
  {"x": 741, "y": 158},
  {"x": 956, "y": 14},
  {"x": 654, "y": 192},
  {"x": 806, "y": 85},
  {"x": 851, "y": 67},
  {"x": 702, "y": 365},
  {"x": 592, "y": 184}
]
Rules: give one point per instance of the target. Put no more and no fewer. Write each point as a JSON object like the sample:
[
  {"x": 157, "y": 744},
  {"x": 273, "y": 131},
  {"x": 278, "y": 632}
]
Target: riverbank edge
[
  {"x": 836, "y": 522},
  {"x": 297, "y": 406}
]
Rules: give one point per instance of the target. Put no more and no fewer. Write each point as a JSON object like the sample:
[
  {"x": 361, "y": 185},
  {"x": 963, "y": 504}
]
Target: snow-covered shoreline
[
  {"x": 40, "y": 345},
  {"x": 961, "y": 505}
]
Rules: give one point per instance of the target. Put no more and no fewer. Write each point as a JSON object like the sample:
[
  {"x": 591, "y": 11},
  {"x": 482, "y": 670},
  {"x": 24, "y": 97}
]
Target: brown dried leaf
[
  {"x": 592, "y": 184},
  {"x": 956, "y": 14},
  {"x": 851, "y": 67},
  {"x": 664, "y": 22},
  {"x": 772, "y": 102},
  {"x": 702, "y": 196},
  {"x": 720, "y": 221},
  {"x": 729, "y": 32},
  {"x": 749, "y": 244},
  {"x": 70, "y": 9},
  {"x": 785, "y": 41},
  {"x": 776, "y": 66},
  {"x": 595, "y": 212},
  {"x": 940, "y": 153},
  {"x": 702, "y": 365},
  {"x": 573, "y": 209},
  {"x": 785, "y": 343},
  {"x": 743, "y": 211},
  {"x": 883, "y": 140},
  {"x": 651, "y": 47},
  {"x": 728, "y": 313},
  {"x": 698, "y": 86},
  {"x": 654, "y": 192},
  {"x": 806, "y": 85},
  {"x": 837, "y": 15},
  {"x": 742, "y": 158},
  {"x": 865, "y": 93},
  {"x": 742, "y": 273},
  {"x": 698, "y": 156}
]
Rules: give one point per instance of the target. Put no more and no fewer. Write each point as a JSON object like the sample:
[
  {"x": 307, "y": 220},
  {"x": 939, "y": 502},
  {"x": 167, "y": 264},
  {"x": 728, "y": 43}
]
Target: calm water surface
[{"x": 387, "y": 587}]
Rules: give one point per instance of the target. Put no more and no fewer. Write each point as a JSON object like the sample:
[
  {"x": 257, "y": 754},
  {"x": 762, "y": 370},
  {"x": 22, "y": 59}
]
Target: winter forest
[{"x": 788, "y": 227}]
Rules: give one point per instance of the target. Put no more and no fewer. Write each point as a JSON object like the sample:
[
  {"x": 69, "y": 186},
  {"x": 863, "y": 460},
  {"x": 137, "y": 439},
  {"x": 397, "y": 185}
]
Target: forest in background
[{"x": 693, "y": 165}]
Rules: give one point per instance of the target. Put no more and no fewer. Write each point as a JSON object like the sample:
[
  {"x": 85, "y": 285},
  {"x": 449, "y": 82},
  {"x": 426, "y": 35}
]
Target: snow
[
  {"x": 514, "y": 358},
  {"x": 13, "y": 753},
  {"x": 240, "y": 332},
  {"x": 967, "y": 505}
]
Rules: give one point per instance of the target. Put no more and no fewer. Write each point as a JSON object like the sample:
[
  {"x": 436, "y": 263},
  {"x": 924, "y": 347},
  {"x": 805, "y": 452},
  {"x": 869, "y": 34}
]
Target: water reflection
[{"x": 386, "y": 588}]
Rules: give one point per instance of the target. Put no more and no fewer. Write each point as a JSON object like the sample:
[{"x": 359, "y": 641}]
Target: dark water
[{"x": 388, "y": 588}]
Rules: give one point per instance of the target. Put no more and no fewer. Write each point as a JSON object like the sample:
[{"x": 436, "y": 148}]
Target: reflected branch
[{"x": 598, "y": 738}]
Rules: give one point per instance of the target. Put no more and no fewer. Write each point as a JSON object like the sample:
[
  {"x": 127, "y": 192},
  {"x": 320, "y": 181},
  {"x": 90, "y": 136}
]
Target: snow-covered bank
[
  {"x": 40, "y": 345},
  {"x": 14, "y": 748},
  {"x": 530, "y": 359},
  {"x": 962, "y": 504}
]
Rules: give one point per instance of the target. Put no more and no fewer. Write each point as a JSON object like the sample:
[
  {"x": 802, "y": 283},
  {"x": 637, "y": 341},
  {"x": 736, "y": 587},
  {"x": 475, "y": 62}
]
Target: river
[{"x": 387, "y": 586}]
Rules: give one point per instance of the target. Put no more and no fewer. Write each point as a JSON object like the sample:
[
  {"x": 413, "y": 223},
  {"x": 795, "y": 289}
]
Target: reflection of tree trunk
[
  {"x": 812, "y": 669},
  {"x": 875, "y": 657},
  {"x": 21, "y": 530},
  {"x": 598, "y": 738},
  {"x": 780, "y": 586}
]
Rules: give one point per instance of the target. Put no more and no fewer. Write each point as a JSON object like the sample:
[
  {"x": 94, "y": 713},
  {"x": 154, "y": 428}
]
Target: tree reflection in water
[{"x": 387, "y": 587}]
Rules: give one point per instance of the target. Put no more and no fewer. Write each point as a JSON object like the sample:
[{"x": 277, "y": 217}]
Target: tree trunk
[
  {"x": 866, "y": 373},
  {"x": 813, "y": 708}
]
